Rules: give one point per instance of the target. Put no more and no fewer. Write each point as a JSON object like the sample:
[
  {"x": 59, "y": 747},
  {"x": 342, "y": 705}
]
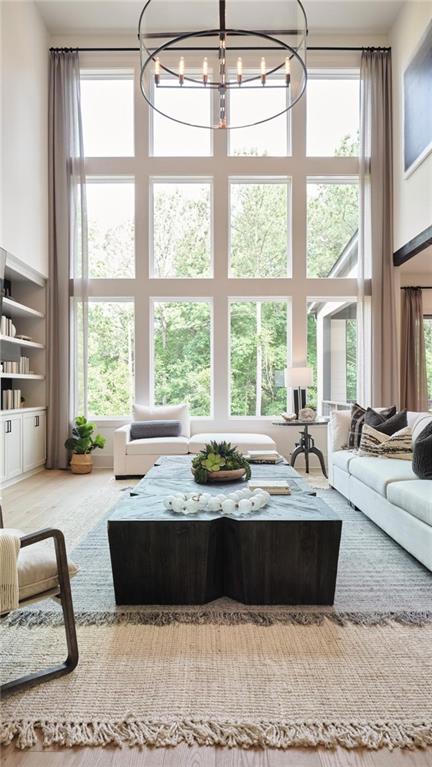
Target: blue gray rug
[{"x": 378, "y": 582}]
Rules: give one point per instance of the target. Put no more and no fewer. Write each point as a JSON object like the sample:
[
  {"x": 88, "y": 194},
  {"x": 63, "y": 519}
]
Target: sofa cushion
[
  {"x": 339, "y": 429},
  {"x": 37, "y": 568},
  {"x": 158, "y": 446},
  {"x": 244, "y": 442},
  {"x": 164, "y": 413},
  {"x": 414, "y": 497},
  {"x": 420, "y": 423},
  {"x": 378, "y": 473},
  {"x": 147, "y": 429},
  {"x": 343, "y": 458}
]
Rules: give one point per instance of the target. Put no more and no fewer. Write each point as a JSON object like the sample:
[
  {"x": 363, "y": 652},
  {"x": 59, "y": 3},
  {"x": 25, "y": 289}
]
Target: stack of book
[
  {"x": 16, "y": 366},
  {"x": 7, "y": 328},
  {"x": 271, "y": 486},
  {"x": 11, "y": 399},
  {"x": 263, "y": 456}
]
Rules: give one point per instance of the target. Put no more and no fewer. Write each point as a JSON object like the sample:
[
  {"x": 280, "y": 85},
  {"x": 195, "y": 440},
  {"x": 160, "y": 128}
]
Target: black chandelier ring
[{"x": 168, "y": 46}]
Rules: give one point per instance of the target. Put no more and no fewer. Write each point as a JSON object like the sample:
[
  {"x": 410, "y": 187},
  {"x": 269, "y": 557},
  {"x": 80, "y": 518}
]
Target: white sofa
[
  {"x": 133, "y": 458},
  {"x": 385, "y": 489}
]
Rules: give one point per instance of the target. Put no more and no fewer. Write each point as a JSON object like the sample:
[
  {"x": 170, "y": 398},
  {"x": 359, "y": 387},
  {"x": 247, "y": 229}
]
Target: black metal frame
[{"x": 65, "y": 597}]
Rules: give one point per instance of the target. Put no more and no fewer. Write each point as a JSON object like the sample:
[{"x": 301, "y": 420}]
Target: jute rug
[
  {"x": 378, "y": 582},
  {"x": 246, "y": 686}
]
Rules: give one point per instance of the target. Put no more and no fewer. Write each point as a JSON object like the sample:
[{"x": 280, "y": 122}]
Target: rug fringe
[
  {"x": 34, "y": 618},
  {"x": 162, "y": 734}
]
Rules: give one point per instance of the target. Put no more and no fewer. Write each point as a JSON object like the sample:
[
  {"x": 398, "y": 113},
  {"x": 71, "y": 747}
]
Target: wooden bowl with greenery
[{"x": 219, "y": 462}]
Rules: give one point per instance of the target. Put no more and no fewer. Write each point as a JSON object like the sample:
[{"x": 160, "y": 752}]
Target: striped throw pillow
[{"x": 376, "y": 444}]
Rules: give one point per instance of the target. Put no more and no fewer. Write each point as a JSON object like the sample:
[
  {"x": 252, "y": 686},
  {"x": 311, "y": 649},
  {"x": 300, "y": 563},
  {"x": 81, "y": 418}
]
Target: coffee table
[{"x": 286, "y": 553}]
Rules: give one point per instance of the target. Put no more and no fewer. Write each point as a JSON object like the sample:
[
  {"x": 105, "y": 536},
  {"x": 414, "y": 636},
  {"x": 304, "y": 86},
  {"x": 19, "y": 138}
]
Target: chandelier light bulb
[
  {"x": 287, "y": 70},
  {"x": 239, "y": 70},
  {"x": 263, "y": 71},
  {"x": 205, "y": 71},
  {"x": 181, "y": 70},
  {"x": 157, "y": 71}
]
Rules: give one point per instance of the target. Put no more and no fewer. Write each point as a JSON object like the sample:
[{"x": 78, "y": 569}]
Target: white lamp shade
[{"x": 298, "y": 377}]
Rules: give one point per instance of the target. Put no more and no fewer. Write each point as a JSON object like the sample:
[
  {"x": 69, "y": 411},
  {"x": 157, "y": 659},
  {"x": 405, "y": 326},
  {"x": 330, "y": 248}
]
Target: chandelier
[{"x": 224, "y": 59}]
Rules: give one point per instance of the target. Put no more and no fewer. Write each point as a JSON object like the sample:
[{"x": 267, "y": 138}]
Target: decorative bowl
[{"x": 230, "y": 475}]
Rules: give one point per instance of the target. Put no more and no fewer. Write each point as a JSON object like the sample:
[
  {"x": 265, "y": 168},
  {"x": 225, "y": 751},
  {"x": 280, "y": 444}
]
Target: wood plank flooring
[{"x": 74, "y": 504}]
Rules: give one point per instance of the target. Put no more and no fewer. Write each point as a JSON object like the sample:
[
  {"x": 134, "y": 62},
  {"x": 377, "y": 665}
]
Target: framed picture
[{"x": 417, "y": 105}]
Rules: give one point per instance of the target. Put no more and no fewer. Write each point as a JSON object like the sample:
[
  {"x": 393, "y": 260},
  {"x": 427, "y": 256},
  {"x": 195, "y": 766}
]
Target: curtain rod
[{"x": 309, "y": 48}]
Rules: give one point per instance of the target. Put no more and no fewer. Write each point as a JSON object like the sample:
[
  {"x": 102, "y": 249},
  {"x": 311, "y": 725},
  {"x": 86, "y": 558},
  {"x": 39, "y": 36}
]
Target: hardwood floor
[{"x": 74, "y": 504}]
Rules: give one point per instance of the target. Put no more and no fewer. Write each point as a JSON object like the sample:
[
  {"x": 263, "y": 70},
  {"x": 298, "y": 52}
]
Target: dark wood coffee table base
[{"x": 286, "y": 553}]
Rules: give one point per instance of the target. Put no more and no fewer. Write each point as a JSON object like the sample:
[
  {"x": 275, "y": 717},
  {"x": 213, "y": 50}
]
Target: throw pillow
[
  {"x": 422, "y": 460},
  {"x": 378, "y": 445},
  {"x": 163, "y": 413},
  {"x": 371, "y": 441},
  {"x": 420, "y": 424},
  {"x": 393, "y": 424},
  {"x": 147, "y": 429},
  {"x": 339, "y": 427},
  {"x": 399, "y": 445},
  {"x": 358, "y": 414}
]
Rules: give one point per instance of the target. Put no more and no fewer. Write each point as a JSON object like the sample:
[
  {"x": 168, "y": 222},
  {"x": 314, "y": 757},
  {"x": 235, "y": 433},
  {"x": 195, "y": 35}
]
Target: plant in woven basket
[
  {"x": 217, "y": 457},
  {"x": 82, "y": 443}
]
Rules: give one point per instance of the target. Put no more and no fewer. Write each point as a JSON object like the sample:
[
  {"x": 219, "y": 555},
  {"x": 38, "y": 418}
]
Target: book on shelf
[
  {"x": 21, "y": 366},
  {"x": 11, "y": 399},
  {"x": 272, "y": 486}
]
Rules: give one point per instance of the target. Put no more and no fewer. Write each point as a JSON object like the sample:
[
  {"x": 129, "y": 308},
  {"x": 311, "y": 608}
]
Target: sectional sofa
[
  {"x": 385, "y": 489},
  {"x": 133, "y": 458}
]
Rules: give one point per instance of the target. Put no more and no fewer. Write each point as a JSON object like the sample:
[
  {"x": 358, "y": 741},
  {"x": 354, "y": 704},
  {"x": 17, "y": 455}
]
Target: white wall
[
  {"x": 412, "y": 194},
  {"x": 24, "y": 152}
]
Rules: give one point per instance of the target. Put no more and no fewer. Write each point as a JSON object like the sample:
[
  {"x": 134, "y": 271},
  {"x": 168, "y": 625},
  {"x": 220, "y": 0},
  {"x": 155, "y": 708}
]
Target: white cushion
[
  {"x": 244, "y": 442},
  {"x": 414, "y": 497},
  {"x": 343, "y": 458},
  {"x": 37, "y": 568},
  {"x": 164, "y": 413},
  {"x": 378, "y": 473},
  {"x": 339, "y": 427},
  {"x": 158, "y": 446},
  {"x": 420, "y": 423}
]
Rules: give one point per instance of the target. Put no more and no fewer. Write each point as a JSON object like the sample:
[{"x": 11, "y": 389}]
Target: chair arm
[
  {"x": 121, "y": 438},
  {"x": 60, "y": 552},
  {"x": 1, "y": 518}
]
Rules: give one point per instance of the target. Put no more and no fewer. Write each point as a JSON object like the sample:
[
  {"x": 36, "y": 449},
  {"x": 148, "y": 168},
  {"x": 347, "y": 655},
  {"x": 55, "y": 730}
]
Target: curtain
[
  {"x": 413, "y": 362},
  {"x": 67, "y": 249},
  {"x": 378, "y": 362}
]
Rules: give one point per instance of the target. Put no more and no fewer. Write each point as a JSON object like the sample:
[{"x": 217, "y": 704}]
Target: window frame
[{"x": 220, "y": 167}]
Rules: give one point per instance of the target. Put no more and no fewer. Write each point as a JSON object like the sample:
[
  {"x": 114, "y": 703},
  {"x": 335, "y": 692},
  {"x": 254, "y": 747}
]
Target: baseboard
[{"x": 20, "y": 477}]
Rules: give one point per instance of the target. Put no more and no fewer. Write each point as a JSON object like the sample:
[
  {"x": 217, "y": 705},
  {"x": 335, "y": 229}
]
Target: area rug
[
  {"x": 378, "y": 582},
  {"x": 246, "y": 686}
]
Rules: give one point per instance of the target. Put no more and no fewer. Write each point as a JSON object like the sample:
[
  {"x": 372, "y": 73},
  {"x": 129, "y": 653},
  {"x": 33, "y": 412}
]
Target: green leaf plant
[
  {"x": 215, "y": 457},
  {"x": 82, "y": 441}
]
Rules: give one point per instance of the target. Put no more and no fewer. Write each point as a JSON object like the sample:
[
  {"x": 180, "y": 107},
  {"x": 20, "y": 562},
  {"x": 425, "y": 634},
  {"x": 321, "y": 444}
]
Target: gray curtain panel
[
  {"x": 413, "y": 358},
  {"x": 376, "y": 225},
  {"x": 67, "y": 248}
]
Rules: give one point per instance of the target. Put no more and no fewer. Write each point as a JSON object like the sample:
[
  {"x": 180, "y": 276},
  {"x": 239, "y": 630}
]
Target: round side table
[{"x": 306, "y": 444}]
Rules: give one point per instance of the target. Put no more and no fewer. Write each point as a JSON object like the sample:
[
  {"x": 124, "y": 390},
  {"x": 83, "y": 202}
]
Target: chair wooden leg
[{"x": 69, "y": 621}]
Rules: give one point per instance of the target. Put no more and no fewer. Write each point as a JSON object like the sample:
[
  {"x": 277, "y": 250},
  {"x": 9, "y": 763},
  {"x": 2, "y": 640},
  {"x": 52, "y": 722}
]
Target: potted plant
[
  {"x": 219, "y": 462},
  {"x": 81, "y": 444}
]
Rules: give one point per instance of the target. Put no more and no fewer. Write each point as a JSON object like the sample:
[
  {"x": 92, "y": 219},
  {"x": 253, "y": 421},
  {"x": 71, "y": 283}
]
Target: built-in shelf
[
  {"x": 23, "y": 376},
  {"x": 15, "y": 309},
  {"x": 14, "y": 410},
  {"x": 21, "y": 342}
]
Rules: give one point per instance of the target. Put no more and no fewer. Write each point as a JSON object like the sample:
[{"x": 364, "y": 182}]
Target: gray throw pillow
[
  {"x": 358, "y": 415},
  {"x": 422, "y": 459},
  {"x": 147, "y": 429},
  {"x": 386, "y": 424}
]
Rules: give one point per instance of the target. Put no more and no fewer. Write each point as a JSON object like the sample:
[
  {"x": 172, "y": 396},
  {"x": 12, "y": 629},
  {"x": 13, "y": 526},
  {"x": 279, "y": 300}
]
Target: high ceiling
[{"x": 121, "y": 16}]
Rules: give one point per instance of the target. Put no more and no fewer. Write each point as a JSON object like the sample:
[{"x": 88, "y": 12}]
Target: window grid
[{"x": 221, "y": 288}]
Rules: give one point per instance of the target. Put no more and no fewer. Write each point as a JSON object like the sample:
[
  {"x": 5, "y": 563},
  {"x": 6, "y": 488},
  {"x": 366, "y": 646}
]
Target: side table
[{"x": 306, "y": 444}]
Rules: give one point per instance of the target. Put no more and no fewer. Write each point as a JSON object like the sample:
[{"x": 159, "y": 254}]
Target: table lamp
[{"x": 298, "y": 379}]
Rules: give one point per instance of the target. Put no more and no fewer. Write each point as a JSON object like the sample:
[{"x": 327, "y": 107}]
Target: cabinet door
[
  {"x": 12, "y": 435},
  {"x": 33, "y": 440}
]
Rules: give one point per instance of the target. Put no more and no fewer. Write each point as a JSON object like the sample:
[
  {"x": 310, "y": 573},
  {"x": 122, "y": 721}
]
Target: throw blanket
[{"x": 9, "y": 589}]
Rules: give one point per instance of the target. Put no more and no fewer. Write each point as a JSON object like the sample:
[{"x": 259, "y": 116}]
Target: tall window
[
  {"x": 427, "y": 325},
  {"x": 182, "y": 354},
  {"x": 215, "y": 257}
]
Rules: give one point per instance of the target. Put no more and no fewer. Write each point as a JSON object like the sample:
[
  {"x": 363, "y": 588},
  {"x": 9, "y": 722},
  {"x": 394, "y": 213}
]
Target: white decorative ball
[
  {"x": 245, "y": 505},
  {"x": 191, "y": 506},
  {"x": 213, "y": 504},
  {"x": 228, "y": 506}
]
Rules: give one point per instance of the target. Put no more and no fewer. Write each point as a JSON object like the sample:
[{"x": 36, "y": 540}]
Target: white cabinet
[
  {"x": 23, "y": 443},
  {"x": 34, "y": 431},
  {"x": 12, "y": 446}
]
